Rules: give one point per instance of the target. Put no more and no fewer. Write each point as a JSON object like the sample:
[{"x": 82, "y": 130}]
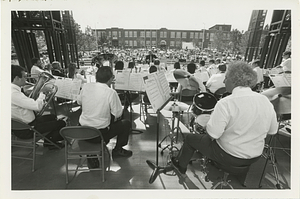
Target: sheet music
[
  {"x": 68, "y": 88},
  {"x": 157, "y": 89},
  {"x": 280, "y": 80},
  {"x": 129, "y": 81}
]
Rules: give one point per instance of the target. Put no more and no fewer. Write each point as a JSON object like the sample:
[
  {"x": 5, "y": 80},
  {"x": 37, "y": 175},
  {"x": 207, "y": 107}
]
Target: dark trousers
[
  {"x": 44, "y": 124},
  {"x": 209, "y": 148},
  {"x": 120, "y": 128}
]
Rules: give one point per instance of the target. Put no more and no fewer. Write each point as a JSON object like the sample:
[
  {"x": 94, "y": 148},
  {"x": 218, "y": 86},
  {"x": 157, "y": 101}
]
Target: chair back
[
  {"x": 18, "y": 125},
  {"x": 80, "y": 133}
]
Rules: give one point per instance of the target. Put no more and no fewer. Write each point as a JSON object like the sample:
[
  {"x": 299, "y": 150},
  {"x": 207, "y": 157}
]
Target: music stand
[
  {"x": 128, "y": 99},
  {"x": 154, "y": 166}
]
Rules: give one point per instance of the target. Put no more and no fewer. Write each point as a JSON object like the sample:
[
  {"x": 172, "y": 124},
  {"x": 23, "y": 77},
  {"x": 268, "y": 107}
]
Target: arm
[
  {"x": 115, "y": 105},
  {"x": 21, "y": 100}
]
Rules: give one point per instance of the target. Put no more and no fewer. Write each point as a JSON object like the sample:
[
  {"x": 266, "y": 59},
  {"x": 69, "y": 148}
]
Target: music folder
[
  {"x": 157, "y": 89},
  {"x": 281, "y": 80},
  {"x": 125, "y": 80},
  {"x": 68, "y": 88}
]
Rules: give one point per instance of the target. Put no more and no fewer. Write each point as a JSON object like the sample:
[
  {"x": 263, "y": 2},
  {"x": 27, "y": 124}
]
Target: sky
[{"x": 175, "y": 14}]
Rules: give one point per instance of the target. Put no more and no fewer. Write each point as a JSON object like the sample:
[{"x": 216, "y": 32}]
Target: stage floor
[{"x": 133, "y": 172}]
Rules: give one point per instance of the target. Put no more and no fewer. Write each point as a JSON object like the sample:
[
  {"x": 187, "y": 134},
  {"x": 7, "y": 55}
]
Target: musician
[
  {"x": 259, "y": 73},
  {"x": 23, "y": 107},
  {"x": 237, "y": 127},
  {"x": 76, "y": 75},
  {"x": 57, "y": 69},
  {"x": 36, "y": 68},
  {"x": 287, "y": 62},
  {"x": 150, "y": 57},
  {"x": 216, "y": 81},
  {"x": 102, "y": 109}
]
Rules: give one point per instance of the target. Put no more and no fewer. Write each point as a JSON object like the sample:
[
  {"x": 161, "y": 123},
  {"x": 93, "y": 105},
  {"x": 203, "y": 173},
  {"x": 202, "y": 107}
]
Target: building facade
[{"x": 160, "y": 38}]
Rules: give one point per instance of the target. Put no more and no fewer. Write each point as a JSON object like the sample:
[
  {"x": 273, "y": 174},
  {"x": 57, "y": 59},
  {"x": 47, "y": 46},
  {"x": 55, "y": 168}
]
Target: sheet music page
[
  {"x": 136, "y": 82},
  {"x": 279, "y": 80},
  {"x": 68, "y": 88},
  {"x": 288, "y": 77},
  {"x": 122, "y": 80},
  {"x": 157, "y": 89}
]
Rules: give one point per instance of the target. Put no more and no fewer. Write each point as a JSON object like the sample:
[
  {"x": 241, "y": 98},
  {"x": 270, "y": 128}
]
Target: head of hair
[
  {"x": 56, "y": 65},
  {"x": 218, "y": 60},
  {"x": 191, "y": 68},
  {"x": 177, "y": 65},
  {"x": 34, "y": 60},
  {"x": 16, "y": 71},
  {"x": 152, "y": 69},
  {"x": 257, "y": 61},
  {"x": 104, "y": 74},
  {"x": 202, "y": 63},
  {"x": 156, "y": 62},
  {"x": 241, "y": 74},
  {"x": 119, "y": 65},
  {"x": 287, "y": 53},
  {"x": 212, "y": 61},
  {"x": 72, "y": 67},
  {"x": 222, "y": 67}
]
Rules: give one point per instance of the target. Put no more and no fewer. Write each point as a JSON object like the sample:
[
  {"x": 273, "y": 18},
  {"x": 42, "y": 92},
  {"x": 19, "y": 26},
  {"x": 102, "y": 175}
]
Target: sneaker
[
  {"x": 121, "y": 152},
  {"x": 175, "y": 164}
]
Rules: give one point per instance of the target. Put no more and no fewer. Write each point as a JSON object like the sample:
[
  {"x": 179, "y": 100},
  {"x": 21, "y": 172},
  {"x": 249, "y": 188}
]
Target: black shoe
[
  {"x": 121, "y": 152},
  {"x": 175, "y": 164},
  {"x": 92, "y": 162}
]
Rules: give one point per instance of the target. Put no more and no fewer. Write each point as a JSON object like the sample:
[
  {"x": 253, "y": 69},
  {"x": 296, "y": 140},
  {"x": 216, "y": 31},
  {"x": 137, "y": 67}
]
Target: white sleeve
[{"x": 21, "y": 100}]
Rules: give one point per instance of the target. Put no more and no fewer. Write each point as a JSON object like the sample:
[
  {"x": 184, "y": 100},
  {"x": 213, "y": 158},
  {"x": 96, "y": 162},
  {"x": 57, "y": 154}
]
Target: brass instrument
[
  {"x": 42, "y": 79},
  {"x": 46, "y": 85}
]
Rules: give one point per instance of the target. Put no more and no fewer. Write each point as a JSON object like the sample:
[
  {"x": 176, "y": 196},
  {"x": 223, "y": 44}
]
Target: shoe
[
  {"x": 176, "y": 166},
  {"x": 92, "y": 163},
  {"x": 121, "y": 152}
]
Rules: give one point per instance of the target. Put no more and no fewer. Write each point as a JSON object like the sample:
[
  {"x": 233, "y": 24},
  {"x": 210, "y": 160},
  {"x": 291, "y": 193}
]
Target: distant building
[{"x": 141, "y": 38}]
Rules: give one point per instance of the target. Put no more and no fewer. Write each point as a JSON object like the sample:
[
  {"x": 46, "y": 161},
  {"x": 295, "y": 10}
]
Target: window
[
  {"x": 191, "y": 35},
  {"x": 126, "y": 42},
  {"x": 178, "y": 35},
  {"x": 109, "y": 33},
  {"x": 172, "y": 35},
  {"x": 184, "y": 35},
  {"x": 120, "y": 34},
  {"x": 165, "y": 34},
  {"x": 212, "y": 35},
  {"x": 147, "y": 33},
  {"x": 130, "y": 33},
  {"x": 207, "y": 36},
  {"x": 134, "y": 43},
  {"x": 142, "y": 43},
  {"x": 196, "y": 35},
  {"x": 126, "y": 33},
  {"x": 153, "y": 33},
  {"x": 201, "y": 35},
  {"x": 161, "y": 34},
  {"x": 142, "y": 34},
  {"x": 148, "y": 43},
  {"x": 130, "y": 43},
  {"x": 135, "y": 33},
  {"x": 153, "y": 43},
  {"x": 172, "y": 43},
  {"x": 178, "y": 43}
]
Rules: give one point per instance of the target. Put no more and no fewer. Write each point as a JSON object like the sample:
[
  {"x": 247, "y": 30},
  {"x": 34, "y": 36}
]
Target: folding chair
[
  {"x": 76, "y": 147},
  {"x": 17, "y": 125}
]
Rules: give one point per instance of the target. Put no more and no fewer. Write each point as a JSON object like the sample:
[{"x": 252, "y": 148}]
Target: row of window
[
  {"x": 148, "y": 43},
  {"x": 153, "y": 34}
]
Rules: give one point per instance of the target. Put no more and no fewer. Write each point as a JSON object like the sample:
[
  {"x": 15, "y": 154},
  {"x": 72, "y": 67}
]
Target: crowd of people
[{"x": 235, "y": 132}]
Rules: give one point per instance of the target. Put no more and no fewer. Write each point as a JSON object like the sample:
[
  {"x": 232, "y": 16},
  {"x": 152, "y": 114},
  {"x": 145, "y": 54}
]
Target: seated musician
[
  {"x": 102, "y": 109},
  {"x": 57, "y": 70},
  {"x": 216, "y": 81},
  {"x": 75, "y": 74},
  {"x": 36, "y": 68},
  {"x": 23, "y": 107},
  {"x": 237, "y": 127}
]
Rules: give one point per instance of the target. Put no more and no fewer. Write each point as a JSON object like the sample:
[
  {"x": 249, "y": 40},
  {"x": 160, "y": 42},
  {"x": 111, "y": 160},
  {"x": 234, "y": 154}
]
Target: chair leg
[{"x": 33, "y": 152}]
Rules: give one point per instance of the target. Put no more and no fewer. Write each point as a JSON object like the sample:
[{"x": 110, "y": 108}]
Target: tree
[
  {"x": 235, "y": 37},
  {"x": 218, "y": 41}
]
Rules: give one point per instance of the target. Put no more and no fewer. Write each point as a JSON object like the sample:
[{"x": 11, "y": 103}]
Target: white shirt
[
  {"x": 286, "y": 64},
  {"x": 241, "y": 121},
  {"x": 22, "y": 107},
  {"x": 259, "y": 72},
  {"x": 98, "y": 102},
  {"x": 215, "y": 82},
  {"x": 36, "y": 71}
]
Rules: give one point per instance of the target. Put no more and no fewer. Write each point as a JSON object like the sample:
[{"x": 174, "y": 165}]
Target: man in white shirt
[
  {"x": 216, "y": 81},
  {"x": 102, "y": 109},
  {"x": 237, "y": 127},
  {"x": 23, "y": 107},
  {"x": 36, "y": 68},
  {"x": 287, "y": 62},
  {"x": 259, "y": 73}
]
